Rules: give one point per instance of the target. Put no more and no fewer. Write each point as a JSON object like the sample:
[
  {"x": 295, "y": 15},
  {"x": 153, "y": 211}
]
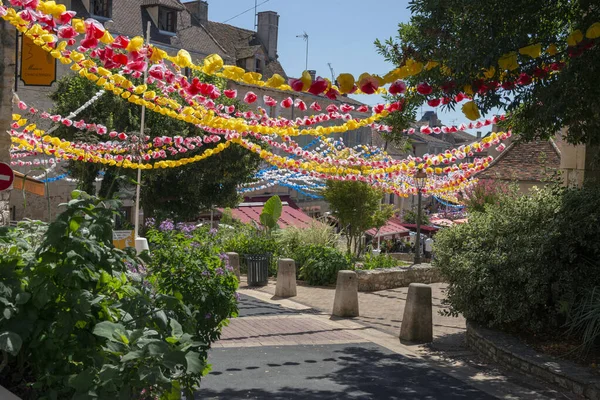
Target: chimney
[
  {"x": 268, "y": 27},
  {"x": 313, "y": 74},
  {"x": 478, "y": 135},
  {"x": 199, "y": 9}
]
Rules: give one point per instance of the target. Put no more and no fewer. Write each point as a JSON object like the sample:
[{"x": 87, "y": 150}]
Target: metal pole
[
  {"x": 306, "y": 53},
  {"x": 418, "y": 239},
  {"x": 139, "y": 171}
]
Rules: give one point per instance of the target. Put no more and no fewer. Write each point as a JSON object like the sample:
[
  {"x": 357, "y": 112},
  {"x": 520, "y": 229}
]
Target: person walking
[{"x": 428, "y": 248}]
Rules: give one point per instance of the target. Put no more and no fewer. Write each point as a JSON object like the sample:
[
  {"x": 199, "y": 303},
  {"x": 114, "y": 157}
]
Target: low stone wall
[
  {"x": 402, "y": 256},
  {"x": 389, "y": 278},
  {"x": 511, "y": 353}
]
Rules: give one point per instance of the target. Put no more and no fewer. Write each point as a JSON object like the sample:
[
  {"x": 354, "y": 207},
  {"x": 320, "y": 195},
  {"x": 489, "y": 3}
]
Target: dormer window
[
  {"x": 101, "y": 8},
  {"x": 167, "y": 20},
  {"x": 258, "y": 66}
]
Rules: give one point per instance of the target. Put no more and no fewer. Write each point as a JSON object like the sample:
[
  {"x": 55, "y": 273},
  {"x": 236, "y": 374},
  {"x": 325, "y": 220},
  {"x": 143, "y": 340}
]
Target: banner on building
[
  {"x": 123, "y": 239},
  {"x": 38, "y": 67}
]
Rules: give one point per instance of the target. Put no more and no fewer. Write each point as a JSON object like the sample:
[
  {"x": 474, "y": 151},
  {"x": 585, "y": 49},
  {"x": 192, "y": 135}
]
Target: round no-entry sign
[{"x": 6, "y": 176}]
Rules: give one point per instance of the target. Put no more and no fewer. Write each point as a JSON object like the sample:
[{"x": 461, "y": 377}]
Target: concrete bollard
[
  {"x": 234, "y": 261},
  {"x": 286, "y": 278},
  {"x": 345, "y": 303},
  {"x": 417, "y": 322}
]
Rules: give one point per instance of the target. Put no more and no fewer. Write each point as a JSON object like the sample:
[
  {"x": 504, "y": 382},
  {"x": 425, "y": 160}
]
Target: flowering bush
[
  {"x": 82, "y": 319},
  {"x": 380, "y": 261},
  {"x": 485, "y": 191},
  {"x": 190, "y": 264}
]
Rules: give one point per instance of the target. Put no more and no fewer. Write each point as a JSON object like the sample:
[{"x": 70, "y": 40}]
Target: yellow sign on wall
[
  {"x": 123, "y": 239},
  {"x": 38, "y": 68}
]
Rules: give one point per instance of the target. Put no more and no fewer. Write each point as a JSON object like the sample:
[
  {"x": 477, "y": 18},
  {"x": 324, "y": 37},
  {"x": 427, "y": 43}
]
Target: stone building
[{"x": 175, "y": 25}]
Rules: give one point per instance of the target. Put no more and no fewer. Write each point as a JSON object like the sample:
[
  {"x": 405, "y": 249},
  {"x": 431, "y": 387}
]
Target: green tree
[
  {"x": 179, "y": 193},
  {"x": 466, "y": 40},
  {"x": 357, "y": 207},
  {"x": 410, "y": 217}
]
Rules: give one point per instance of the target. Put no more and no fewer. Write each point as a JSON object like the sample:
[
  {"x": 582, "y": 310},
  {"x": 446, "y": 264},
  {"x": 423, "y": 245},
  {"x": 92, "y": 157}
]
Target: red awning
[
  {"x": 289, "y": 216},
  {"x": 424, "y": 228},
  {"x": 392, "y": 227}
]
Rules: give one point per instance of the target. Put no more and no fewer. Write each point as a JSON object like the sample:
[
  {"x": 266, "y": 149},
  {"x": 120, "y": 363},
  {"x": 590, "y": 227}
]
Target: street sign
[{"x": 6, "y": 176}]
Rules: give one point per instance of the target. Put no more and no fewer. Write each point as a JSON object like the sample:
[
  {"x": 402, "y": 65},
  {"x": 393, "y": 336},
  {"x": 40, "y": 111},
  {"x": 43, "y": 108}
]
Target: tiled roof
[
  {"x": 165, "y": 3},
  {"x": 289, "y": 216},
  {"x": 392, "y": 227},
  {"x": 524, "y": 162},
  {"x": 247, "y": 52}
]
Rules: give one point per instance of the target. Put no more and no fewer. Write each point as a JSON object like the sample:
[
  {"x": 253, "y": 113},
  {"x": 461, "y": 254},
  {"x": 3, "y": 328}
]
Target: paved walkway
[{"x": 283, "y": 349}]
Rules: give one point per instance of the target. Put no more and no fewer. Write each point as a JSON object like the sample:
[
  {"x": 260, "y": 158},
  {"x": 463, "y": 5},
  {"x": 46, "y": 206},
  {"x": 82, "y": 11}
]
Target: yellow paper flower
[
  {"x": 431, "y": 64},
  {"x": 275, "y": 81},
  {"x": 183, "y": 59},
  {"x": 468, "y": 90},
  {"x": 107, "y": 38},
  {"x": 233, "y": 72},
  {"x": 489, "y": 73},
  {"x": 552, "y": 50},
  {"x": 306, "y": 80},
  {"x": 135, "y": 44},
  {"x": 574, "y": 38},
  {"x": 212, "y": 64},
  {"x": 509, "y": 61},
  {"x": 471, "y": 111},
  {"x": 345, "y": 82},
  {"x": 593, "y": 31},
  {"x": 533, "y": 50}
]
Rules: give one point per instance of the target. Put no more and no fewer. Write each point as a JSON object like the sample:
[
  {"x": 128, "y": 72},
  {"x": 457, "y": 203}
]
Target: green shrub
[
  {"x": 319, "y": 265},
  {"x": 291, "y": 238},
  {"x": 525, "y": 261},
  {"x": 81, "y": 319},
  {"x": 380, "y": 261},
  {"x": 247, "y": 239}
]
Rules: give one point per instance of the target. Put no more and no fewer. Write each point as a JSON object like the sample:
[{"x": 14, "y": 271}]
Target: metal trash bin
[{"x": 258, "y": 269}]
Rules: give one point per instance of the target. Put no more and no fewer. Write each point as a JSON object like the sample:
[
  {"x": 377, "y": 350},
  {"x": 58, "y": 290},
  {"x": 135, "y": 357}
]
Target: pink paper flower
[
  {"x": 269, "y": 101},
  {"x": 424, "y": 89},
  {"x": 287, "y": 103}
]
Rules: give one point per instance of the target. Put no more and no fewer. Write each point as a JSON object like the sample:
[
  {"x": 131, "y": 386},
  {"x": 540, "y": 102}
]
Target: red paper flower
[
  {"x": 296, "y": 84},
  {"x": 66, "y": 32},
  {"x": 524, "y": 79},
  {"x": 332, "y": 94},
  {"x": 315, "y": 106},
  {"x": 398, "y": 87},
  {"x": 434, "y": 102},
  {"x": 287, "y": 103},
  {"x": 378, "y": 108},
  {"x": 332, "y": 108},
  {"x": 424, "y": 89},
  {"x": 157, "y": 71},
  {"x": 230, "y": 93},
  {"x": 363, "y": 109},
  {"x": 368, "y": 84},
  {"x": 121, "y": 42},
  {"x": 446, "y": 100},
  {"x": 300, "y": 105},
  {"x": 508, "y": 85},
  {"x": 318, "y": 86}
]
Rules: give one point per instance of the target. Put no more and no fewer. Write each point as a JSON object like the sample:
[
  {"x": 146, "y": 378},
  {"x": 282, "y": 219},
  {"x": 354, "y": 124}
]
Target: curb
[{"x": 512, "y": 354}]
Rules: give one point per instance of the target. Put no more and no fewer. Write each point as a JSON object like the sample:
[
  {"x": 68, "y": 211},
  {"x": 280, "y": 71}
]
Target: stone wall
[
  {"x": 7, "y": 69},
  {"x": 402, "y": 256},
  {"x": 389, "y": 278},
  {"x": 510, "y": 353}
]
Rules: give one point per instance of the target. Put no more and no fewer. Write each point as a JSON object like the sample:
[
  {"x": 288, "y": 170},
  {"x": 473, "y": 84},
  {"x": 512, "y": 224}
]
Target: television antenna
[{"x": 305, "y": 37}]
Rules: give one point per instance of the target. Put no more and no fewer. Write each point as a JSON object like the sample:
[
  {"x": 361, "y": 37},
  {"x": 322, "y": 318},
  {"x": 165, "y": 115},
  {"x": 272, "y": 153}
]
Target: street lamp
[{"x": 420, "y": 178}]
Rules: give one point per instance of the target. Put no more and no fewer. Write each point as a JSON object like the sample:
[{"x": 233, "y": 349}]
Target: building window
[
  {"x": 101, "y": 8},
  {"x": 392, "y": 198},
  {"x": 167, "y": 20},
  {"x": 258, "y": 66}
]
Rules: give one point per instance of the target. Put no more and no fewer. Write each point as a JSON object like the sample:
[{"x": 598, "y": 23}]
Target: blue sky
[{"x": 341, "y": 32}]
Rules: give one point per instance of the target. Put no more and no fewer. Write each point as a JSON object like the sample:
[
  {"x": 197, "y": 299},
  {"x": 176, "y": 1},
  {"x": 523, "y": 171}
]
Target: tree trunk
[{"x": 7, "y": 72}]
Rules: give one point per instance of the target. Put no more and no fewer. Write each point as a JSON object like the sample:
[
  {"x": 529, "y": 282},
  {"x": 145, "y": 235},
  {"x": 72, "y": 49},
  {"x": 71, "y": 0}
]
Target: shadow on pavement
[{"x": 327, "y": 372}]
